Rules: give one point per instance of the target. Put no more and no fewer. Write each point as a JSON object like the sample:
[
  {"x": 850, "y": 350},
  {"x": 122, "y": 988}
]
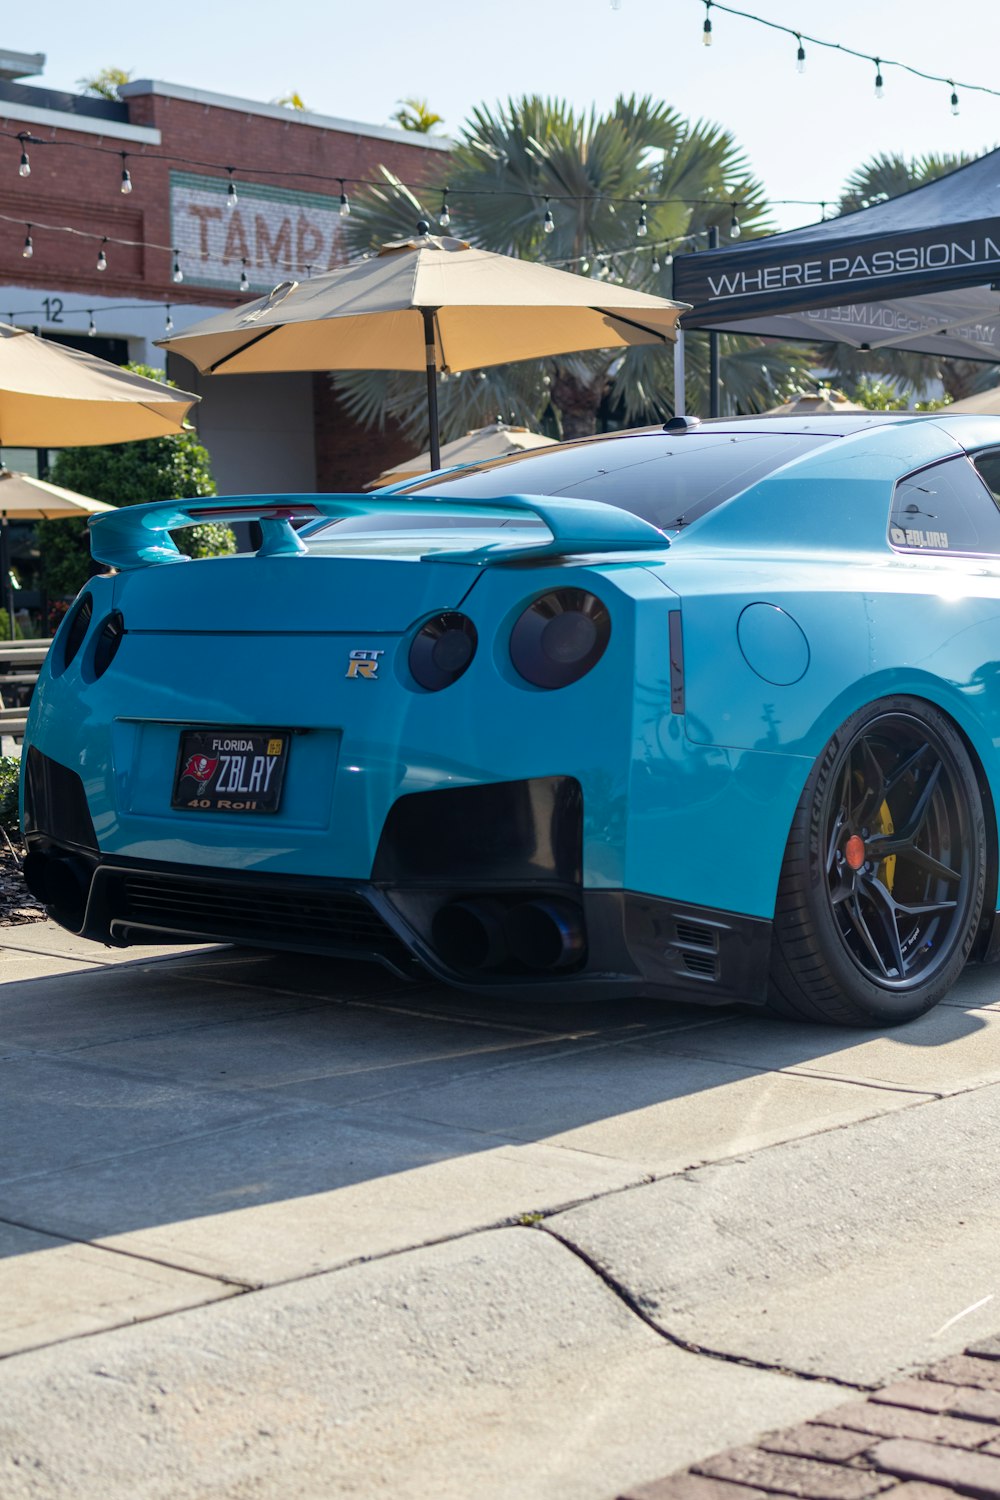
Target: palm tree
[
  {"x": 610, "y": 196},
  {"x": 414, "y": 115},
  {"x": 889, "y": 175}
]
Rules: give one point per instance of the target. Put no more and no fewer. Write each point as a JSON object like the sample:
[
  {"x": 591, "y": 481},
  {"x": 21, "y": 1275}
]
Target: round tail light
[
  {"x": 560, "y": 637},
  {"x": 442, "y": 650}
]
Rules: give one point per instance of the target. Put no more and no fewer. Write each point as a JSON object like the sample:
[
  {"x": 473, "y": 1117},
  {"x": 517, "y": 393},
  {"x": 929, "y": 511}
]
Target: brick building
[{"x": 264, "y": 432}]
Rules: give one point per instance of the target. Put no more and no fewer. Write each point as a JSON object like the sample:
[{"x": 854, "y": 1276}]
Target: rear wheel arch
[{"x": 889, "y": 868}]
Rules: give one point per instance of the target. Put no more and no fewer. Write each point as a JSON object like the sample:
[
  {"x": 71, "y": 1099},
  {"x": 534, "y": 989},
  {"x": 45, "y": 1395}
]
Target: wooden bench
[{"x": 20, "y": 663}]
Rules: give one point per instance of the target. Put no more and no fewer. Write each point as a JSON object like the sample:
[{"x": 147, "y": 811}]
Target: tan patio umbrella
[
  {"x": 983, "y": 404},
  {"x": 55, "y": 397},
  {"x": 25, "y": 499},
  {"x": 823, "y": 402},
  {"x": 426, "y": 304},
  {"x": 478, "y": 446}
]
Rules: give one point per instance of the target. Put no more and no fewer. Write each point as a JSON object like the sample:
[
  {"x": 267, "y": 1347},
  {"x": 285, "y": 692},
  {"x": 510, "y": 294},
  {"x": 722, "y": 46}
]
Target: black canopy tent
[{"x": 920, "y": 272}]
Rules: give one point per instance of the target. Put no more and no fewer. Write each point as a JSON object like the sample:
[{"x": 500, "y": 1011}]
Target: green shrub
[
  {"x": 10, "y": 767},
  {"x": 5, "y": 627}
]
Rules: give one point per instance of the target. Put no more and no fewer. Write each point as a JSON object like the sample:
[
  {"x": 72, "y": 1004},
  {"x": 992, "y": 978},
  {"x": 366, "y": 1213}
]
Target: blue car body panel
[{"x": 794, "y": 612}]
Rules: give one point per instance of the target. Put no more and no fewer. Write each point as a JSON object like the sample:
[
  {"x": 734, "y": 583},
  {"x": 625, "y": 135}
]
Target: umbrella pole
[
  {"x": 680, "y": 407},
  {"x": 8, "y": 592},
  {"x": 432, "y": 393}
]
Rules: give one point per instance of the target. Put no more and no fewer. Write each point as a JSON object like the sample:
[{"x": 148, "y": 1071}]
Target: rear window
[{"x": 669, "y": 479}]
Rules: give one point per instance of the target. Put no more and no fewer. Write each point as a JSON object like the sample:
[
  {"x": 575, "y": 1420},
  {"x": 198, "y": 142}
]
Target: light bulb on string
[
  {"x": 548, "y": 223},
  {"x": 706, "y": 30},
  {"x": 345, "y": 207},
  {"x": 102, "y": 259},
  {"x": 244, "y": 281},
  {"x": 24, "y": 169},
  {"x": 126, "y": 174},
  {"x": 668, "y": 259},
  {"x": 879, "y": 83},
  {"x": 177, "y": 275},
  {"x": 642, "y": 228},
  {"x": 954, "y": 98},
  {"x": 800, "y": 56},
  {"x": 232, "y": 197},
  {"x": 655, "y": 267},
  {"x": 584, "y": 267},
  {"x": 444, "y": 217},
  {"x": 29, "y": 248},
  {"x": 734, "y": 225},
  {"x": 92, "y": 326},
  {"x": 168, "y": 322}
]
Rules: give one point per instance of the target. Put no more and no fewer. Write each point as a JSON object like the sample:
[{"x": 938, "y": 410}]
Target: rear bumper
[
  {"x": 480, "y": 886},
  {"x": 632, "y": 944}
]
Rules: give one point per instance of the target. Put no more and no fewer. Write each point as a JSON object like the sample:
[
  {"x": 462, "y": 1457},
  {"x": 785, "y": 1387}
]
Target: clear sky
[{"x": 802, "y": 134}]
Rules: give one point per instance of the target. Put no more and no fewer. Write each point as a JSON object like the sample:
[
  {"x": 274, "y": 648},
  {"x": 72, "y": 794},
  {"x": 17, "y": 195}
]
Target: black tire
[{"x": 884, "y": 874}]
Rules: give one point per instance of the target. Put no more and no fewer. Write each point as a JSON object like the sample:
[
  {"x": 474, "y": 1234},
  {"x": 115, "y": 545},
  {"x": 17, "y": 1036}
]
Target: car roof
[{"x": 828, "y": 424}]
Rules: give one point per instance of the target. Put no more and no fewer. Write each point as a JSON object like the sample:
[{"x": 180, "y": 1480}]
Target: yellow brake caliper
[{"x": 887, "y": 868}]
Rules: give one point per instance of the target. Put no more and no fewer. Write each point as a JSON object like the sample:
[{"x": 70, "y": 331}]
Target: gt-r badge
[{"x": 363, "y": 663}]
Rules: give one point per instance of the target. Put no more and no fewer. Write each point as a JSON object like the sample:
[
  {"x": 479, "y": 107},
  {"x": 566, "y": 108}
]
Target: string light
[
  {"x": 244, "y": 281},
  {"x": 92, "y": 327},
  {"x": 734, "y": 224},
  {"x": 706, "y": 30},
  {"x": 29, "y": 248},
  {"x": 548, "y": 223},
  {"x": 102, "y": 259},
  {"x": 168, "y": 322},
  {"x": 345, "y": 207},
  {"x": 954, "y": 98},
  {"x": 642, "y": 228},
  {"x": 879, "y": 85},
  {"x": 24, "y": 170},
  {"x": 126, "y": 174},
  {"x": 800, "y": 56},
  {"x": 655, "y": 267},
  {"x": 232, "y": 197},
  {"x": 816, "y": 41},
  {"x": 444, "y": 217},
  {"x": 176, "y": 274}
]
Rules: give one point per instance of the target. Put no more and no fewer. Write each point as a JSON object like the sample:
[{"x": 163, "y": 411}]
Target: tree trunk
[{"x": 577, "y": 400}]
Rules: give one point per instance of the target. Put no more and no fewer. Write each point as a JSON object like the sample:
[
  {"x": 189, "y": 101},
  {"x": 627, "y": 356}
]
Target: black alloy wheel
[{"x": 884, "y": 875}]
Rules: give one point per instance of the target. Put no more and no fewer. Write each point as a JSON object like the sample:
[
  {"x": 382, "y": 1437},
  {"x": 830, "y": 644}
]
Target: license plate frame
[{"x": 230, "y": 770}]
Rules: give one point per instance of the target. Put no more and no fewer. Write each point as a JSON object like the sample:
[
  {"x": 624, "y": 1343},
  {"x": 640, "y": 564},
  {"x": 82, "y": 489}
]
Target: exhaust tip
[
  {"x": 546, "y": 934},
  {"x": 470, "y": 934}
]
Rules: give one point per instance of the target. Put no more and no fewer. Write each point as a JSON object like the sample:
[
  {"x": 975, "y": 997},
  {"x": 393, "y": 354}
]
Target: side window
[
  {"x": 946, "y": 508},
  {"x": 988, "y": 464}
]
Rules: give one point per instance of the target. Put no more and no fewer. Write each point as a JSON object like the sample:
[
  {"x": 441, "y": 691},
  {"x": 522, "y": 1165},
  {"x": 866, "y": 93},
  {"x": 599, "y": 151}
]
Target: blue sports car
[{"x": 709, "y": 711}]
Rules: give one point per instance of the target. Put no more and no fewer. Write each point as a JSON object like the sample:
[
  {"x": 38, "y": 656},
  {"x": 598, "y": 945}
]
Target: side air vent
[
  {"x": 693, "y": 934},
  {"x": 700, "y": 963}
]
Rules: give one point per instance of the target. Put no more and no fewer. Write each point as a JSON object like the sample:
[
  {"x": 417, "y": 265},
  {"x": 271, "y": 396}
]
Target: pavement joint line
[
  {"x": 248, "y": 1289},
  {"x": 725, "y": 1356},
  {"x": 69, "y": 1053},
  {"x": 237, "y": 1283},
  {"x": 196, "y": 1135},
  {"x": 103, "y": 963}
]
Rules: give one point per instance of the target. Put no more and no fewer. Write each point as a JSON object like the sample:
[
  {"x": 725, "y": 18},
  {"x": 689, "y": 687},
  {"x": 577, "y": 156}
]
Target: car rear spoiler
[{"x": 137, "y": 536}]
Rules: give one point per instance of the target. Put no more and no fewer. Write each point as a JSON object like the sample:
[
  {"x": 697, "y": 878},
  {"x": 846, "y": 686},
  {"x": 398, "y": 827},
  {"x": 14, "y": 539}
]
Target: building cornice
[{"x": 282, "y": 112}]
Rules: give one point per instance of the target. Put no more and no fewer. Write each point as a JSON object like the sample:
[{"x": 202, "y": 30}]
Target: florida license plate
[{"x": 230, "y": 770}]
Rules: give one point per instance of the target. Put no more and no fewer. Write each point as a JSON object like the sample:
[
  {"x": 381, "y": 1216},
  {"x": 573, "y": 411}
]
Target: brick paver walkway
[{"x": 921, "y": 1439}]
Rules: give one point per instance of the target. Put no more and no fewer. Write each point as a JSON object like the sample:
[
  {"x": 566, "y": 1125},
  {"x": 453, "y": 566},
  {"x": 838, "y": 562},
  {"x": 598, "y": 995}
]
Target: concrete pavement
[{"x": 272, "y": 1226}]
